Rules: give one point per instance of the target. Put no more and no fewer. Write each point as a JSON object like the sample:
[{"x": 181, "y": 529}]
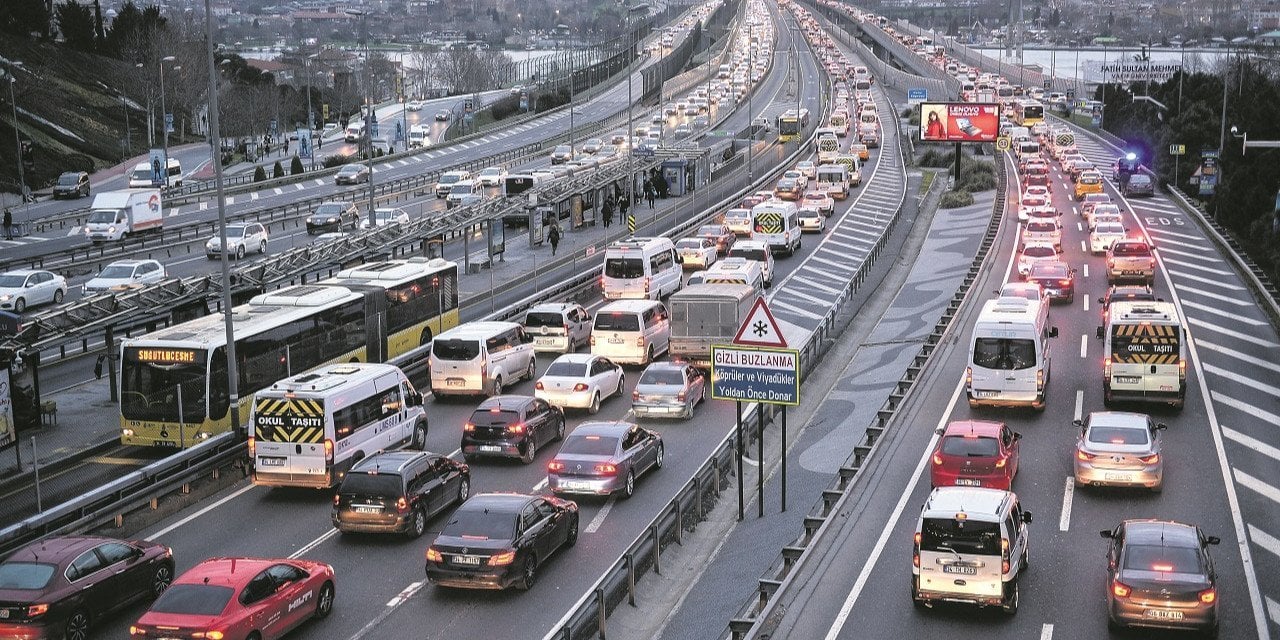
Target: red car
[
  {"x": 720, "y": 233},
  {"x": 234, "y": 598},
  {"x": 975, "y": 453}
]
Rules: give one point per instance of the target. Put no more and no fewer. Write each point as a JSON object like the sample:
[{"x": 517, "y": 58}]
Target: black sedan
[
  {"x": 511, "y": 426},
  {"x": 498, "y": 540},
  {"x": 72, "y": 184},
  {"x": 1159, "y": 574},
  {"x": 1056, "y": 278},
  {"x": 58, "y": 587}
]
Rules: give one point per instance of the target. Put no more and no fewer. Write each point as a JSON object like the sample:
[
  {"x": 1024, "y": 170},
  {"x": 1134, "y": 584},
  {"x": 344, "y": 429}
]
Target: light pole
[
  {"x": 631, "y": 177},
  {"x": 1222, "y": 131},
  {"x": 17, "y": 140},
  {"x": 151, "y": 133},
  {"x": 311, "y": 120},
  {"x": 370, "y": 118},
  {"x": 164, "y": 118}
]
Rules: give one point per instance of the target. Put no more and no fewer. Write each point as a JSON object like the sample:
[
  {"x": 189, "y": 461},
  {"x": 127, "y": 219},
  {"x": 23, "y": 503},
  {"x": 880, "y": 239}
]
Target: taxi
[
  {"x": 861, "y": 151},
  {"x": 1088, "y": 182}
]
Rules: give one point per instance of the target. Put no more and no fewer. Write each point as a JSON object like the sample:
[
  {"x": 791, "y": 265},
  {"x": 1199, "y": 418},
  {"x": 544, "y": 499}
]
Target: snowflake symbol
[{"x": 760, "y": 328}]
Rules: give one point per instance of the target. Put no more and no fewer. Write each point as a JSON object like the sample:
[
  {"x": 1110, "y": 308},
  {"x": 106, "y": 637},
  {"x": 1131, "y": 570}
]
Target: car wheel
[
  {"x": 240, "y": 252},
  {"x": 424, "y": 337},
  {"x": 1010, "y": 604},
  {"x": 417, "y": 523},
  {"x": 595, "y": 404},
  {"x": 19, "y": 305},
  {"x": 649, "y": 355},
  {"x": 560, "y": 429},
  {"x": 688, "y": 410},
  {"x": 532, "y": 370},
  {"x": 77, "y": 626},
  {"x": 419, "y": 438},
  {"x": 497, "y": 386},
  {"x": 1026, "y": 558},
  {"x": 530, "y": 450},
  {"x": 324, "y": 604},
  {"x": 470, "y": 457},
  {"x": 464, "y": 489},
  {"x": 57, "y": 296},
  {"x": 629, "y": 489},
  {"x": 573, "y": 532},
  {"x": 657, "y": 462},
  {"x": 161, "y": 579},
  {"x": 530, "y": 572},
  {"x": 622, "y": 384}
]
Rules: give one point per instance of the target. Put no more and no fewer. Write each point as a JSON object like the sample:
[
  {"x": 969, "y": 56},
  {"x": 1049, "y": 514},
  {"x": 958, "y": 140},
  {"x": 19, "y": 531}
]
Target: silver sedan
[
  {"x": 1117, "y": 448},
  {"x": 668, "y": 389},
  {"x": 602, "y": 458}
]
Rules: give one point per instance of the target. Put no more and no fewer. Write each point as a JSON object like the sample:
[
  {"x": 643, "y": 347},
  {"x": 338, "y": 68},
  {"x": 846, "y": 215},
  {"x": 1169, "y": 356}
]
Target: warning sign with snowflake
[{"x": 757, "y": 367}]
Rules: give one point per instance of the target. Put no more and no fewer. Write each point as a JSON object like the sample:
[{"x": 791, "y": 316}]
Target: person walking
[
  {"x": 8, "y": 224},
  {"x": 606, "y": 212},
  {"x": 650, "y": 194},
  {"x": 553, "y": 236}
]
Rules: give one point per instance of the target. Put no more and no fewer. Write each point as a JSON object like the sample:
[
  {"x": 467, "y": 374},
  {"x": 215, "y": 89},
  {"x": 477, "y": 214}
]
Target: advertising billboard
[{"x": 959, "y": 122}]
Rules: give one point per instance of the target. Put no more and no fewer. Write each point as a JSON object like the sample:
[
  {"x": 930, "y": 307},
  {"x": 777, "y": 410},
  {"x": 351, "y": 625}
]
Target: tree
[
  {"x": 24, "y": 17},
  {"x": 259, "y": 174},
  {"x": 278, "y": 170},
  {"x": 75, "y": 22}
]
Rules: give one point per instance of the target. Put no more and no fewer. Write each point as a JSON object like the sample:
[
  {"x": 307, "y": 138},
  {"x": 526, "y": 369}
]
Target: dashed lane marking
[
  {"x": 1264, "y": 540},
  {"x": 1235, "y": 334},
  {"x": 1251, "y": 443},
  {"x": 597, "y": 521},
  {"x": 406, "y": 594},
  {"x": 1209, "y": 294},
  {"x": 1273, "y": 610},
  {"x": 1244, "y": 357},
  {"x": 1068, "y": 494},
  {"x": 188, "y": 519},
  {"x": 1217, "y": 283},
  {"x": 796, "y": 310},
  {"x": 1198, "y": 267},
  {"x": 1225, "y": 314},
  {"x": 306, "y": 548}
]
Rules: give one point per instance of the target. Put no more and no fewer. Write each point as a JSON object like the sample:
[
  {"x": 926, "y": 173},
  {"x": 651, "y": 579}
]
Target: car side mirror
[
  {"x": 1101, "y": 301},
  {"x": 414, "y": 399},
  {"x": 1161, "y": 426},
  {"x": 1106, "y": 533},
  {"x": 1212, "y": 540},
  {"x": 1099, "y": 333},
  {"x": 1078, "y": 423},
  {"x": 1026, "y": 517},
  {"x": 940, "y": 430},
  {"x": 1017, "y": 435},
  {"x": 1053, "y": 332}
]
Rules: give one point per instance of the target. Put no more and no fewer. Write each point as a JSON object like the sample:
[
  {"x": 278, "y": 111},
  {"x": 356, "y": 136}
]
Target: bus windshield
[{"x": 150, "y": 379}]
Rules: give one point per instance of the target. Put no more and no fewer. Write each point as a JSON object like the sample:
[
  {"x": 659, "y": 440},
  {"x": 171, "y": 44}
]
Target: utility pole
[
  {"x": 17, "y": 140},
  {"x": 369, "y": 117},
  {"x": 311, "y": 120},
  {"x": 164, "y": 119}
]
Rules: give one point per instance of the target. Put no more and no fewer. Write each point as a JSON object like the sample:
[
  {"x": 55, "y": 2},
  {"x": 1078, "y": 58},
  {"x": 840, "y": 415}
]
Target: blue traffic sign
[
  {"x": 755, "y": 374},
  {"x": 917, "y": 95}
]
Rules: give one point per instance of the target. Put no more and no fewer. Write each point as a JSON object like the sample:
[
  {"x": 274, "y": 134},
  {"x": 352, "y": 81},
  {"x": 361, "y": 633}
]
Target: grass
[{"x": 926, "y": 181}]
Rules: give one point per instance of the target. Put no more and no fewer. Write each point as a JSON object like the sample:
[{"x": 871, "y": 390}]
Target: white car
[
  {"x": 1033, "y": 253},
  {"x": 383, "y": 216},
  {"x": 755, "y": 250},
  {"x": 125, "y": 273},
  {"x": 819, "y": 200},
  {"x": 491, "y": 176},
  {"x": 696, "y": 252},
  {"x": 580, "y": 381},
  {"x": 242, "y": 237},
  {"x": 414, "y": 105},
  {"x": 30, "y": 287},
  {"x": 1025, "y": 290},
  {"x": 807, "y": 167},
  {"x": 1030, "y": 202},
  {"x": 811, "y": 219},
  {"x": 797, "y": 175},
  {"x": 1101, "y": 212},
  {"x": 463, "y": 192},
  {"x": 1104, "y": 235}
]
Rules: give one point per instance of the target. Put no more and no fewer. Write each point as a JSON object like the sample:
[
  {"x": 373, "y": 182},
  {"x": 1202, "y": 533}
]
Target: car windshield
[
  {"x": 1039, "y": 251},
  {"x": 970, "y": 446},
  {"x": 1033, "y": 201},
  {"x": 350, "y": 170},
  {"x": 371, "y": 484},
  {"x": 689, "y": 243},
  {"x": 1008, "y": 354},
  {"x": 543, "y": 319},
  {"x": 1041, "y": 226},
  {"x": 1148, "y": 557},
  {"x": 330, "y": 209},
  {"x": 710, "y": 230},
  {"x": 25, "y": 575},
  {"x": 960, "y": 536},
  {"x": 1103, "y": 434},
  {"x": 481, "y": 524},
  {"x": 494, "y": 417},
  {"x": 10, "y": 281},
  {"x": 193, "y": 599},
  {"x": 1050, "y": 271},
  {"x": 662, "y": 376},
  {"x": 590, "y": 445},
  {"x": 1130, "y": 249},
  {"x": 567, "y": 369},
  {"x": 1139, "y": 179},
  {"x": 70, "y": 179},
  {"x": 749, "y": 254},
  {"x": 1110, "y": 228},
  {"x": 236, "y": 231},
  {"x": 117, "y": 271},
  {"x": 624, "y": 268},
  {"x": 455, "y": 349},
  {"x": 617, "y": 321}
]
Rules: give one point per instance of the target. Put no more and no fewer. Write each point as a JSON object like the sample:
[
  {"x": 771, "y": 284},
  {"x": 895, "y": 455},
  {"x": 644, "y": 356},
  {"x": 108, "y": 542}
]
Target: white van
[
  {"x": 777, "y": 224},
  {"x": 140, "y": 177},
  {"x": 1009, "y": 354},
  {"x": 828, "y": 147},
  {"x": 631, "y": 331},
  {"x": 1145, "y": 353},
  {"x": 307, "y": 430},
  {"x": 353, "y": 132},
  {"x": 971, "y": 546},
  {"x": 731, "y": 271},
  {"x": 419, "y": 136},
  {"x": 754, "y": 251},
  {"x": 833, "y": 180},
  {"x": 641, "y": 268},
  {"x": 479, "y": 358}
]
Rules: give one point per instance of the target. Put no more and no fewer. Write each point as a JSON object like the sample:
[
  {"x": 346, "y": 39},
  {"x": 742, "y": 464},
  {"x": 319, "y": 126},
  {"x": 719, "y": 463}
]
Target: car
[
  {"x": 738, "y": 221},
  {"x": 561, "y": 154},
  {"x": 443, "y": 115},
  {"x": 580, "y": 381},
  {"x": 61, "y": 586},
  {"x": 1031, "y": 203},
  {"x": 352, "y": 174},
  {"x": 667, "y": 389},
  {"x": 463, "y": 193},
  {"x": 1056, "y": 278},
  {"x": 558, "y": 326},
  {"x": 1079, "y": 166},
  {"x": 1160, "y": 574},
  {"x": 1118, "y": 448},
  {"x": 657, "y": 119},
  {"x": 24, "y": 288},
  {"x": 1102, "y": 236},
  {"x": 383, "y": 216},
  {"x": 1092, "y": 200},
  {"x": 1034, "y": 252},
  {"x": 618, "y": 139},
  {"x": 758, "y": 251},
  {"x": 333, "y": 215},
  {"x": 1089, "y": 182},
  {"x": 719, "y": 233},
  {"x": 242, "y": 237},
  {"x": 592, "y": 146},
  {"x": 975, "y": 453},
  {"x": 1139, "y": 184},
  {"x": 491, "y": 176},
  {"x": 500, "y": 540},
  {"x": 820, "y": 201},
  {"x": 511, "y": 426},
  {"x": 398, "y": 492},
  {"x": 811, "y": 220},
  {"x": 235, "y": 597},
  {"x": 1038, "y": 191},
  {"x": 71, "y": 184},
  {"x": 800, "y": 178},
  {"x": 807, "y": 167},
  {"x": 1126, "y": 293},
  {"x": 698, "y": 252},
  {"x": 1130, "y": 259},
  {"x": 329, "y": 128},
  {"x": 1025, "y": 290},
  {"x": 603, "y": 458},
  {"x": 414, "y": 105},
  {"x": 126, "y": 273},
  {"x": 861, "y": 150}
]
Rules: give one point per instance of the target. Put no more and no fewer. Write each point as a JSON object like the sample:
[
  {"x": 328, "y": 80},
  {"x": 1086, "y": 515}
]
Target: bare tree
[{"x": 421, "y": 71}]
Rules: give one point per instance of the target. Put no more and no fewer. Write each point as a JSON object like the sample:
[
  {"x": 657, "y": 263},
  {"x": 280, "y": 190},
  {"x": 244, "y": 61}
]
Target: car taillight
[
  {"x": 1064, "y": 282},
  {"x": 915, "y": 551},
  {"x": 538, "y": 385},
  {"x": 402, "y": 505},
  {"x": 1084, "y": 456},
  {"x": 1039, "y": 379},
  {"x": 566, "y": 329},
  {"x": 253, "y": 445},
  {"x": 1120, "y": 589},
  {"x": 581, "y": 386},
  {"x": 1151, "y": 459},
  {"x": 502, "y": 559},
  {"x": 1208, "y": 596},
  {"x": 682, "y": 396},
  {"x": 1001, "y": 461},
  {"x": 937, "y": 459},
  {"x": 607, "y": 469},
  {"x": 35, "y": 610},
  {"x": 515, "y": 428},
  {"x": 468, "y": 427},
  {"x": 1182, "y": 369},
  {"x": 646, "y": 285},
  {"x": 433, "y": 555},
  {"x": 635, "y": 395},
  {"x": 1106, "y": 367},
  {"x": 640, "y": 341},
  {"x": 1004, "y": 555},
  {"x": 968, "y": 377},
  {"x": 593, "y": 341},
  {"x": 555, "y": 466},
  {"x": 328, "y": 449},
  {"x": 337, "y": 499}
]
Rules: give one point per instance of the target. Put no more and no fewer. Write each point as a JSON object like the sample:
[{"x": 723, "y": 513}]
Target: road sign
[
  {"x": 1048, "y": 83},
  {"x": 168, "y": 122},
  {"x": 1071, "y": 95},
  {"x": 755, "y": 374},
  {"x": 916, "y": 96},
  {"x": 274, "y": 127},
  {"x": 1002, "y": 143},
  {"x": 759, "y": 329},
  {"x": 468, "y": 105},
  {"x": 304, "y": 143},
  {"x": 1177, "y": 149},
  {"x": 324, "y": 111},
  {"x": 399, "y": 132},
  {"x": 631, "y": 223}
]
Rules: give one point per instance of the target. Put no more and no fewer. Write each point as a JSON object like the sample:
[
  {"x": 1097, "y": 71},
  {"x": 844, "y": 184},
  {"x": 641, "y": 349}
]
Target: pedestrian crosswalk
[{"x": 19, "y": 241}]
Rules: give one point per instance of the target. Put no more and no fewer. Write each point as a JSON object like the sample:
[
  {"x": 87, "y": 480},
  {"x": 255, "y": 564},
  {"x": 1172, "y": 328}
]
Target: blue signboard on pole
[
  {"x": 158, "y": 164},
  {"x": 168, "y": 122},
  {"x": 916, "y": 96}
]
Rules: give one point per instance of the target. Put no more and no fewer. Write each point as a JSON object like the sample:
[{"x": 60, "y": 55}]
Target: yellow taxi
[
  {"x": 861, "y": 151},
  {"x": 1088, "y": 182}
]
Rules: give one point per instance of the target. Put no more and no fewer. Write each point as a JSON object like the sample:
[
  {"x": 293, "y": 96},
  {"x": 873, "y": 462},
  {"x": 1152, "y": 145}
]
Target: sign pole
[
  {"x": 957, "y": 163},
  {"x": 784, "y": 458},
  {"x": 760, "y": 461},
  {"x": 740, "y": 446}
]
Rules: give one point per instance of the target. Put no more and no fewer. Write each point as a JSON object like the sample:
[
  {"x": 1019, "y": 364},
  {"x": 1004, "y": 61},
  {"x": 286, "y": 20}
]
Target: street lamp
[
  {"x": 164, "y": 117},
  {"x": 311, "y": 120},
  {"x": 17, "y": 140},
  {"x": 369, "y": 118}
]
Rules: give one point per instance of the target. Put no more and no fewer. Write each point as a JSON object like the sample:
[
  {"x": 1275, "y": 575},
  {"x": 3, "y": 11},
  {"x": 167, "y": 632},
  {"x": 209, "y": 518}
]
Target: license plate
[
  {"x": 454, "y": 382},
  {"x": 1118, "y": 477},
  {"x": 490, "y": 448},
  {"x": 368, "y": 509},
  {"x": 962, "y": 570},
  {"x": 576, "y": 486},
  {"x": 544, "y": 341},
  {"x": 4, "y": 613},
  {"x": 1130, "y": 272},
  {"x": 271, "y": 462},
  {"x": 616, "y": 341},
  {"x": 1163, "y": 614},
  {"x": 986, "y": 394},
  {"x": 1127, "y": 379},
  {"x": 165, "y": 443},
  {"x": 968, "y": 482},
  {"x": 468, "y": 560}
]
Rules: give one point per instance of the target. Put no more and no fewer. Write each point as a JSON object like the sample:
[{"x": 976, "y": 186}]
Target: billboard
[{"x": 959, "y": 122}]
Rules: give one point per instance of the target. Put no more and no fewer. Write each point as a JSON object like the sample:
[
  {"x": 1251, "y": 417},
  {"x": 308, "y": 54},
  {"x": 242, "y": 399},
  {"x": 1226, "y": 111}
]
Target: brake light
[
  {"x": 402, "y": 505},
  {"x": 1209, "y": 596},
  {"x": 1182, "y": 369},
  {"x": 968, "y": 377},
  {"x": 538, "y": 385},
  {"x": 581, "y": 386},
  {"x": 937, "y": 459},
  {"x": 37, "y": 610},
  {"x": 1004, "y": 555},
  {"x": 1151, "y": 459},
  {"x": 1106, "y": 367},
  {"x": 1064, "y": 282},
  {"x": 433, "y": 555},
  {"x": 593, "y": 341},
  {"x": 515, "y": 428},
  {"x": 1039, "y": 379},
  {"x": 555, "y": 466},
  {"x": 607, "y": 469},
  {"x": 328, "y": 449},
  {"x": 566, "y": 329},
  {"x": 337, "y": 498},
  {"x": 635, "y": 395},
  {"x": 502, "y": 559},
  {"x": 646, "y": 285},
  {"x": 253, "y": 445},
  {"x": 468, "y": 427},
  {"x": 1120, "y": 589},
  {"x": 681, "y": 396},
  {"x": 640, "y": 340},
  {"x": 1001, "y": 461},
  {"x": 1084, "y": 456}
]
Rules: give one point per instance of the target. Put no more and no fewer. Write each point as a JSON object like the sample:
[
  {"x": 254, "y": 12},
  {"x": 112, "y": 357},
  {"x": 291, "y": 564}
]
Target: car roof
[
  {"x": 660, "y": 365},
  {"x": 228, "y": 572},
  {"x": 975, "y": 427},
  {"x": 576, "y": 357},
  {"x": 1048, "y": 266},
  {"x": 1161, "y": 533},
  {"x": 970, "y": 500},
  {"x": 131, "y": 262},
  {"x": 1125, "y": 419},
  {"x": 556, "y": 307},
  {"x": 387, "y": 461},
  {"x": 615, "y": 429},
  {"x": 57, "y": 550},
  {"x": 496, "y": 502},
  {"x": 23, "y": 272}
]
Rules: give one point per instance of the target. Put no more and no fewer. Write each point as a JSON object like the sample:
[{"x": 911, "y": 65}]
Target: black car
[
  {"x": 398, "y": 492},
  {"x": 1139, "y": 184},
  {"x": 1056, "y": 279},
  {"x": 333, "y": 216},
  {"x": 498, "y": 540},
  {"x": 1160, "y": 574},
  {"x": 512, "y": 427},
  {"x": 72, "y": 184},
  {"x": 59, "y": 587}
]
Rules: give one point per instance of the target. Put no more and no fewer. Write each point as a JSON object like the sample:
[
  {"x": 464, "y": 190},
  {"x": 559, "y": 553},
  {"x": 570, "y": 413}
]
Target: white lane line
[
  {"x": 1273, "y": 610},
  {"x": 1225, "y": 314},
  {"x": 1262, "y": 488},
  {"x": 306, "y": 548},
  {"x": 253, "y": 196},
  {"x": 1084, "y": 346},
  {"x": 796, "y": 310},
  {"x": 1251, "y": 443},
  {"x": 1197, "y": 267},
  {"x": 278, "y": 190},
  {"x": 1244, "y": 380},
  {"x": 542, "y": 484},
  {"x": 1084, "y": 247},
  {"x": 406, "y": 594},
  {"x": 1086, "y": 303},
  {"x": 1079, "y": 412},
  {"x": 1086, "y": 271},
  {"x": 1265, "y": 416},
  {"x": 1211, "y": 281},
  {"x": 231, "y": 199},
  {"x": 1264, "y": 540},
  {"x": 1179, "y": 243},
  {"x": 595, "y": 523},
  {"x": 229, "y": 498},
  {"x": 1194, "y": 255},
  {"x": 1165, "y": 232},
  {"x": 1219, "y": 297},
  {"x": 1068, "y": 494},
  {"x": 1046, "y": 632},
  {"x": 319, "y": 182},
  {"x": 869, "y": 566},
  {"x": 298, "y": 186},
  {"x": 1266, "y": 364},
  {"x": 1079, "y": 227}
]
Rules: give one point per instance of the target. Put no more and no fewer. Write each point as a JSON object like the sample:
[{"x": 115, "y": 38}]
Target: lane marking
[
  {"x": 1079, "y": 410},
  {"x": 1217, "y": 283},
  {"x": 1046, "y": 632},
  {"x": 1084, "y": 346},
  {"x": 1225, "y": 314},
  {"x": 236, "y": 494},
  {"x": 1086, "y": 303},
  {"x": 1265, "y": 416},
  {"x": 1237, "y": 355},
  {"x": 406, "y": 594},
  {"x": 1086, "y": 270},
  {"x": 1218, "y": 297},
  {"x": 128, "y": 462},
  {"x": 1264, "y": 540},
  {"x": 1273, "y": 609},
  {"x": 1244, "y": 380},
  {"x": 1084, "y": 247},
  {"x": 542, "y": 484},
  {"x": 1251, "y": 443},
  {"x": 313, "y": 544},
  {"x": 1068, "y": 494},
  {"x": 595, "y": 523}
]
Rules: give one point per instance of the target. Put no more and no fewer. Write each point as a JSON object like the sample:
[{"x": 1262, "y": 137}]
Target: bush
[
  {"x": 295, "y": 167},
  {"x": 335, "y": 160},
  {"x": 259, "y": 174},
  {"x": 940, "y": 159},
  {"x": 277, "y": 171},
  {"x": 953, "y": 199},
  {"x": 505, "y": 108},
  {"x": 977, "y": 175}
]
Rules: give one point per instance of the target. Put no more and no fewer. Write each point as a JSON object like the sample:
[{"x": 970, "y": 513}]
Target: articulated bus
[
  {"x": 372, "y": 313},
  {"x": 1028, "y": 112},
  {"x": 791, "y": 124}
]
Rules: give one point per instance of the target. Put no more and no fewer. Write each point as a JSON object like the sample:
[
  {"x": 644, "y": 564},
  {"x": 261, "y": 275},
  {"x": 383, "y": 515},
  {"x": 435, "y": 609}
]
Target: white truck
[
  {"x": 118, "y": 214},
  {"x": 706, "y": 314}
]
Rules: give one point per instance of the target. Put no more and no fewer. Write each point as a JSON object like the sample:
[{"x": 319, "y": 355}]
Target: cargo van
[
  {"x": 353, "y": 132},
  {"x": 479, "y": 358},
  {"x": 308, "y": 430},
  {"x": 142, "y": 176},
  {"x": 833, "y": 180},
  {"x": 641, "y": 268},
  {"x": 828, "y": 147},
  {"x": 419, "y": 136},
  {"x": 707, "y": 314},
  {"x": 777, "y": 224},
  {"x": 732, "y": 270},
  {"x": 1145, "y": 353},
  {"x": 115, "y": 215},
  {"x": 1009, "y": 354},
  {"x": 631, "y": 331}
]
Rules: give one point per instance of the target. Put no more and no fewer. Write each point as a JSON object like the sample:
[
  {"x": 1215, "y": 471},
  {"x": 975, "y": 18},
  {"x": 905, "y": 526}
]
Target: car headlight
[
  {"x": 6, "y": 297},
  {"x": 111, "y": 229},
  {"x": 333, "y": 220}
]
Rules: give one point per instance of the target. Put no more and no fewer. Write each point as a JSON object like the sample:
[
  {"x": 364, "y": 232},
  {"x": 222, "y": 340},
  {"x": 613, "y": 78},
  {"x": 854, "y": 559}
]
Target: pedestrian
[
  {"x": 8, "y": 224},
  {"x": 553, "y": 236},
  {"x": 286, "y": 145},
  {"x": 97, "y": 366},
  {"x": 650, "y": 194},
  {"x": 606, "y": 212}
]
